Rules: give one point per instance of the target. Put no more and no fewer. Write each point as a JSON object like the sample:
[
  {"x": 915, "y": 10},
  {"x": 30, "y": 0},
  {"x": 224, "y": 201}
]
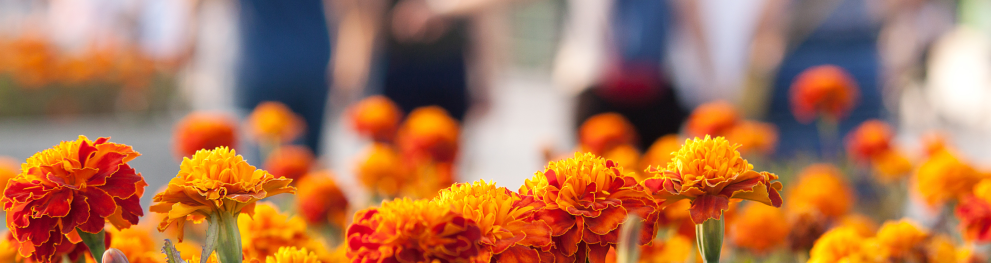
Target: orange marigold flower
[
  {"x": 660, "y": 152},
  {"x": 217, "y": 180},
  {"x": 934, "y": 142},
  {"x": 759, "y": 228},
  {"x": 290, "y": 161},
  {"x": 320, "y": 200},
  {"x": 754, "y": 137},
  {"x": 404, "y": 230},
  {"x": 275, "y": 122},
  {"x": 713, "y": 118},
  {"x": 843, "y": 244},
  {"x": 429, "y": 133},
  {"x": 513, "y": 235},
  {"x": 863, "y": 224},
  {"x": 8, "y": 248},
  {"x": 709, "y": 172},
  {"x": 602, "y": 132},
  {"x": 292, "y": 255},
  {"x": 428, "y": 178},
  {"x": 268, "y": 230},
  {"x": 944, "y": 177},
  {"x": 8, "y": 169},
  {"x": 975, "y": 213},
  {"x": 78, "y": 184},
  {"x": 202, "y": 130},
  {"x": 137, "y": 244},
  {"x": 898, "y": 239},
  {"x": 823, "y": 90},
  {"x": 382, "y": 170},
  {"x": 586, "y": 200},
  {"x": 821, "y": 187},
  {"x": 678, "y": 248},
  {"x": 627, "y": 156},
  {"x": 891, "y": 166},
  {"x": 870, "y": 143},
  {"x": 376, "y": 117},
  {"x": 677, "y": 217}
]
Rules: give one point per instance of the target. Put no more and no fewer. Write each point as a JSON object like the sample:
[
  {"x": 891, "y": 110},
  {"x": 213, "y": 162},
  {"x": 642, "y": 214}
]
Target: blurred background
[{"x": 520, "y": 76}]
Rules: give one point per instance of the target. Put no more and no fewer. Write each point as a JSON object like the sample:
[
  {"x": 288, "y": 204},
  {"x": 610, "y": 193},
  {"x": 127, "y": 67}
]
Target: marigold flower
[
  {"x": 290, "y": 161},
  {"x": 292, "y": 255},
  {"x": 513, "y": 235},
  {"x": 678, "y": 248},
  {"x": 8, "y": 248},
  {"x": 870, "y": 143},
  {"x": 891, "y": 166},
  {"x": 759, "y": 228},
  {"x": 268, "y": 230},
  {"x": 78, "y": 184},
  {"x": 320, "y": 200},
  {"x": 8, "y": 169},
  {"x": 806, "y": 225},
  {"x": 863, "y": 224},
  {"x": 713, "y": 118},
  {"x": 677, "y": 217},
  {"x": 975, "y": 213},
  {"x": 382, "y": 170},
  {"x": 898, "y": 239},
  {"x": 944, "y": 177},
  {"x": 823, "y": 90},
  {"x": 404, "y": 230},
  {"x": 933, "y": 142},
  {"x": 710, "y": 172},
  {"x": 586, "y": 200},
  {"x": 376, "y": 117},
  {"x": 602, "y": 132},
  {"x": 627, "y": 156},
  {"x": 202, "y": 130},
  {"x": 428, "y": 178},
  {"x": 137, "y": 244},
  {"x": 213, "y": 181},
  {"x": 660, "y": 152},
  {"x": 754, "y": 137},
  {"x": 844, "y": 244},
  {"x": 822, "y": 187},
  {"x": 429, "y": 132},
  {"x": 275, "y": 122}
]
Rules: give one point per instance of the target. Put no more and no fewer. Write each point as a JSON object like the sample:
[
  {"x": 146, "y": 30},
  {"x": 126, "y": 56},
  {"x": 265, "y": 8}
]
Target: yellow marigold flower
[
  {"x": 202, "y": 130},
  {"x": 79, "y": 184},
  {"x": 660, "y": 152},
  {"x": 275, "y": 122},
  {"x": 137, "y": 244},
  {"x": 292, "y": 255},
  {"x": 8, "y": 248},
  {"x": 678, "y": 248},
  {"x": 215, "y": 181},
  {"x": 290, "y": 161},
  {"x": 941, "y": 249},
  {"x": 429, "y": 133},
  {"x": 627, "y": 156},
  {"x": 713, "y": 118},
  {"x": 710, "y": 172},
  {"x": 891, "y": 166},
  {"x": 196, "y": 259},
  {"x": 844, "y": 244},
  {"x": 822, "y": 187},
  {"x": 825, "y": 90},
  {"x": 900, "y": 238},
  {"x": 863, "y": 224},
  {"x": 404, "y": 230},
  {"x": 754, "y": 137},
  {"x": 376, "y": 117},
  {"x": 586, "y": 200},
  {"x": 268, "y": 230},
  {"x": 944, "y": 177},
  {"x": 505, "y": 219},
  {"x": 759, "y": 228},
  {"x": 382, "y": 171},
  {"x": 320, "y": 200},
  {"x": 602, "y": 132}
]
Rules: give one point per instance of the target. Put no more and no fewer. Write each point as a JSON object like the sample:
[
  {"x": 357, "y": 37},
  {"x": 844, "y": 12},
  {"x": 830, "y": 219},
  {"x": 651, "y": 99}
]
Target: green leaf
[
  {"x": 171, "y": 254},
  {"x": 95, "y": 243}
]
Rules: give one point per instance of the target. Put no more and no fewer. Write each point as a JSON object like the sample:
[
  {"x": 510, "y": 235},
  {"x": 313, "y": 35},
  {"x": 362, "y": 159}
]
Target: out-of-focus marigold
[
  {"x": 203, "y": 130},
  {"x": 8, "y": 169},
  {"x": 869, "y": 140},
  {"x": 821, "y": 187},
  {"x": 863, "y": 224},
  {"x": 660, "y": 152},
  {"x": 320, "y": 200},
  {"x": 602, "y": 132},
  {"x": 843, "y": 244},
  {"x": 975, "y": 213},
  {"x": 627, "y": 156},
  {"x": 899, "y": 239},
  {"x": 376, "y": 117},
  {"x": 404, "y": 230},
  {"x": 382, "y": 171},
  {"x": 275, "y": 122},
  {"x": 586, "y": 200},
  {"x": 290, "y": 161},
  {"x": 217, "y": 180},
  {"x": 678, "y": 248},
  {"x": 78, "y": 184},
  {"x": 506, "y": 220},
  {"x": 944, "y": 177},
  {"x": 292, "y": 255},
  {"x": 8, "y": 248},
  {"x": 713, "y": 118},
  {"x": 268, "y": 230},
  {"x": 710, "y": 172},
  {"x": 825, "y": 90},
  {"x": 754, "y": 137},
  {"x": 759, "y": 228},
  {"x": 137, "y": 244},
  {"x": 429, "y": 132}
]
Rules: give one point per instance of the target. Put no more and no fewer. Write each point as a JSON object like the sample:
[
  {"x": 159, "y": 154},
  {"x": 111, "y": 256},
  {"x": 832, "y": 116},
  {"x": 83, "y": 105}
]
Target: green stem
[
  {"x": 709, "y": 238},
  {"x": 223, "y": 236},
  {"x": 95, "y": 243}
]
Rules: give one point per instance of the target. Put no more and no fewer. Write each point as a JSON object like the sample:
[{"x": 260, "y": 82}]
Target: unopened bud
[{"x": 114, "y": 255}]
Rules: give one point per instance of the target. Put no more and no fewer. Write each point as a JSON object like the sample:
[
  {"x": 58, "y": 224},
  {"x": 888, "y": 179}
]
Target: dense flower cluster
[{"x": 405, "y": 230}]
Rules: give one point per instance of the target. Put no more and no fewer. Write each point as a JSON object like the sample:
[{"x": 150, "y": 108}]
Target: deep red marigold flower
[
  {"x": 404, "y": 230},
  {"x": 320, "y": 200},
  {"x": 713, "y": 118},
  {"x": 290, "y": 161},
  {"x": 975, "y": 213},
  {"x": 429, "y": 133},
  {"x": 376, "y": 117},
  {"x": 586, "y": 200},
  {"x": 79, "y": 184},
  {"x": 203, "y": 130},
  {"x": 823, "y": 90},
  {"x": 709, "y": 172},
  {"x": 602, "y": 132}
]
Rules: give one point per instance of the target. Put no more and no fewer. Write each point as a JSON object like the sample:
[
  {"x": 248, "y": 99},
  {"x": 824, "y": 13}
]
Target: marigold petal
[
  {"x": 100, "y": 202},
  {"x": 609, "y": 220},
  {"x": 518, "y": 254},
  {"x": 124, "y": 183},
  {"x": 569, "y": 241},
  {"x": 57, "y": 204},
  {"x": 77, "y": 216},
  {"x": 708, "y": 206},
  {"x": 597, "y": 253}
]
